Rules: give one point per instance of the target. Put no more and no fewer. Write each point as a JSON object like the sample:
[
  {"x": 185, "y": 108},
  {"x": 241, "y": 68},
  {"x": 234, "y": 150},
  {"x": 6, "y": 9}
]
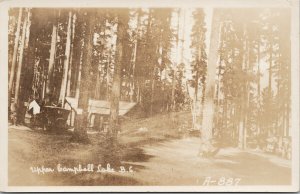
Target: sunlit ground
[{"x": 157, "y": 156}]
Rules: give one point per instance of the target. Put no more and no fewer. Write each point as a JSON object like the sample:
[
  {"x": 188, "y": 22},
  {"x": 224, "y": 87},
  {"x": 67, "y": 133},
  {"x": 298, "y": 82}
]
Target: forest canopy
[{"x": 231, "y": 68}]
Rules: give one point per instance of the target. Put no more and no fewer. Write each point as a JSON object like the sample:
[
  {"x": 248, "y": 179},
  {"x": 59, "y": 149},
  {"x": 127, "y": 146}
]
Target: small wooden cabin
[{"x": 99, "y": 111}]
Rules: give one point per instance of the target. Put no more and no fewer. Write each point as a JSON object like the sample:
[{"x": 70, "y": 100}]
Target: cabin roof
[{"x": 101, "y": 106}]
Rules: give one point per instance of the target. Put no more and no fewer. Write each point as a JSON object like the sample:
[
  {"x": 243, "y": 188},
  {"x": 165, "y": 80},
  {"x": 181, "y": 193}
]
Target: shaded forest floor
[{"x": 156, "y": 148}]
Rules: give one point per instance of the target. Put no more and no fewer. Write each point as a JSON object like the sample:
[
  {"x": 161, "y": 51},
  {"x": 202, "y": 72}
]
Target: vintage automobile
[
  {"x": 56, "y": 117},
  {"x": 47, "y": 117}
]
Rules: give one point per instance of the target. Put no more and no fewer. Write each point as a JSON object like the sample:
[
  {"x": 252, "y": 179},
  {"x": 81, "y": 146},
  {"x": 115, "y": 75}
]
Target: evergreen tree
[{"x": 199, "y": 63}]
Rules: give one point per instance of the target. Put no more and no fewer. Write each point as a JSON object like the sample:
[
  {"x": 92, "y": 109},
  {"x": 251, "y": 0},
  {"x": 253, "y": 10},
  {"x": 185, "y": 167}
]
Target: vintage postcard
[{"x": 143, "y": 95}]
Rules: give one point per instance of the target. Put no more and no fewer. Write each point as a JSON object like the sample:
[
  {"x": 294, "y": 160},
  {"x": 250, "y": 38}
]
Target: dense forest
[{"x": 236, "y": 80}]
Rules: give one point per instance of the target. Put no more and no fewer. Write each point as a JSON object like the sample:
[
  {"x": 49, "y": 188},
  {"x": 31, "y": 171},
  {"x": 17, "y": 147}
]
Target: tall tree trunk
[
  {"x": 51, "y": 59},
  {"x": 29, "y": 57},
  {"x": 258, "y": 88},
  {"x": 182, "y": 36},
  {"x": 20, "y": 64},
  {"x": 148, "y": 39},
  {"x": 115, "y": 93},
  {"x": 66, "y": 63},
  {"x": 71, "y": 64},
  {"x": 86, "y": 83},
  {"x": 197, "y": 112},
  {"x": 270, "y": 67},
  {"x": 97, "y": 94},
  {"x": 247, "y": 85},
  {"x": 133, "y": 85},
  {"x": 15, "y": 53},
  {"x": 28, "y": 29},
  {"x": 173, "y": 105},
  {"x": 98, "y": 90},
  {"x": 247, "y": 93},
  {"x": 173, "y": 89},
  {"x": 79, "y": 69},
  {"x": 152, "y": 89},
  {"x": 26, "y": 51},
  {"x": 153, "y": 81},
  {"x": 244, "y": 99},
  {"x": 107, "y": 73},
  {"x": 270, "y": 125},
  {"x": 194, "y": 107},
  {"x": 208, "y": 108}
]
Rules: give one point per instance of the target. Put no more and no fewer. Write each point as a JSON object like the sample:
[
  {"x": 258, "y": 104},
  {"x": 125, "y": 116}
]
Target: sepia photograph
[{"x": 196, "y": 96}]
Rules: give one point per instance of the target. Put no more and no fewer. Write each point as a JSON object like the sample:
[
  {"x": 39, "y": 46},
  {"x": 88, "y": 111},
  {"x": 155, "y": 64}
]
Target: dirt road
[
  {"x": 168, "y": 162},
  {"x": 176, "y": 163}
]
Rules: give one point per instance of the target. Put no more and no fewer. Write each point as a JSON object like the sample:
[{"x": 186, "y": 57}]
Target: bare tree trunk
[
  {"x": 25, "y": 76},
  {"x": 132, "y": 85},
  {"x": 258, "y": 87},
  {"x": 21, "y": 93},
  {"x": 15, "y": 52},
  {"x": 152, "y": 89},
  {"x": 194, "y": 105},
  {"x": 115, "y": 93},
  {"x": 174, "y": 68},
  {"x": 26, "y": 81},
  {"x": 138, "y": 95},
  {"x": 79, "y": 69},
  {"x": 247, "y": 104},
  {"x": 51, "y": 59},
  {"x": 86, "y": 84},
  {"x": 270, "y": 68},
  {"x": 182, "y": 36},
  {"x": 208, "y": 106},
  {"x": 153, "y": 77},
  {"x": 66, "y": 62},
  {"x": 153, "y": 63},
  {"x": 71, "y": 56},
  {"x": 19, "y": 70},
  {"x": 97, "y": 94},
  {"x": 107, "y": 73},
  {"x": 244, "y": 100},
  {"x": 270, "y": 126},
  {"x": 28, "y": 29},
  {"x": 247, "y": 92}
]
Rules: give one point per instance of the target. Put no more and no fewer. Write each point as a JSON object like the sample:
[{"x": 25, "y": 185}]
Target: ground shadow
[{"x": 255, "y": 169}]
